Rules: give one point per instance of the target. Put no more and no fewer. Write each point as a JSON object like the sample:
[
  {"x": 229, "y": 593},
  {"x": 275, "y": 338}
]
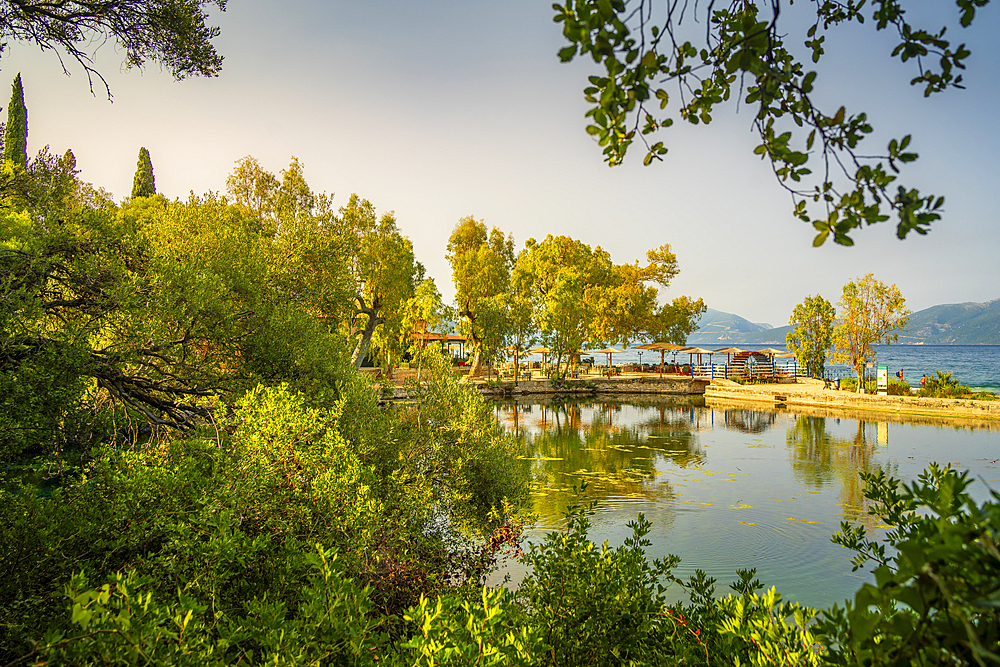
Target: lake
[{"x": 732, "y": 486}]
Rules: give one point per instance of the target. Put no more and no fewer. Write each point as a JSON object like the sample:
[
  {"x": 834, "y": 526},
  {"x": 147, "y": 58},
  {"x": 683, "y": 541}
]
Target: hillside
[
  {"x": 947, "y": 324},
  {"x": 955, "y": 324},
  {"x": 717, "y": 327}
]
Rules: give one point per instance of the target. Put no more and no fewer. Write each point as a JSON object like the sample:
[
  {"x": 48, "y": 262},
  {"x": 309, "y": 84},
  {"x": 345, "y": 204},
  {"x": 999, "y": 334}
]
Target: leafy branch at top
[
  {"x": 814, "y": 152},
  {"x": 172, "y": 33}
]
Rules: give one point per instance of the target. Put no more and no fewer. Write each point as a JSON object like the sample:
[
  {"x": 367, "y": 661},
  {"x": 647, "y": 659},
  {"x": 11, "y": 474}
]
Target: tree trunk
[
  {"x": 477, "y": 365},
  {"x": 361, "y": 349}
]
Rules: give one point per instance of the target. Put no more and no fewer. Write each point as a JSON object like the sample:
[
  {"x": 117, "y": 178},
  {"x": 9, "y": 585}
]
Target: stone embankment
[{"x": 812, "y": 394}]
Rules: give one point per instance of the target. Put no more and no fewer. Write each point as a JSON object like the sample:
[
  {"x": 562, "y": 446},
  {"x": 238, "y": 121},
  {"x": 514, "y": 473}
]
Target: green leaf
[{"x": 566, "y": 54}]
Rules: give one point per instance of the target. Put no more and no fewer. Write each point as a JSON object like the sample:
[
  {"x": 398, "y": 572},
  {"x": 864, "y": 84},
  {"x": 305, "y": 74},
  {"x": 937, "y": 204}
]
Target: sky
[{"x": 445, "y": 108}]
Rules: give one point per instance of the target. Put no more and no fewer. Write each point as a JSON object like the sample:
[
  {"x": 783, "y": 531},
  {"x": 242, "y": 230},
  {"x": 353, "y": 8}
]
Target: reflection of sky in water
[{"x": 731, "y": 487}]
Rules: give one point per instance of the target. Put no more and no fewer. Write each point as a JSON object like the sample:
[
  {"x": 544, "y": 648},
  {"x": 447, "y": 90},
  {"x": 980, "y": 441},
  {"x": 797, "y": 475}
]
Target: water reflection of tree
[
  {"x": 749, "y": 421},
  {"x": 614, "y": 450},
  {"x": 819, "y": 459}
]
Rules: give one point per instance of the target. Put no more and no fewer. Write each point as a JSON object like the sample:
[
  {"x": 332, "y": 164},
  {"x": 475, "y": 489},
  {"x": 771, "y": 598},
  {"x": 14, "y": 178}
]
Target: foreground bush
[
  {"x": 934, "y": 601},
  {"x": 223, "y": 520}
]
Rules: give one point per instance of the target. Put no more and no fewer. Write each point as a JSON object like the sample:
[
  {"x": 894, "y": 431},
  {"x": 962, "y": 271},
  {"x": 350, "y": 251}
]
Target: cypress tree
[
  {"x": 143, "y": 185},
  {"x": 15, "y": 136}
]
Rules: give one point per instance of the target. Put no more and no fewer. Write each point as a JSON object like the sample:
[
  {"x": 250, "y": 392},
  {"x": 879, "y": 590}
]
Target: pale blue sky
[{"x": 438, "y": 110}]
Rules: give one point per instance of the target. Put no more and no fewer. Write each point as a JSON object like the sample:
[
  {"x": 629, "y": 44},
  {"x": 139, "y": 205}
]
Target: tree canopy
[
  {"x": 580, "y": 295},
  {"x": 481, "y": 265},
  {"x": 812, "y": 333},
  {"x": 747, "y": 52},
  {"x": 171, "y": 33},
  {"x": 383, "y": 272},
  {"x": 870, "y": 313}
]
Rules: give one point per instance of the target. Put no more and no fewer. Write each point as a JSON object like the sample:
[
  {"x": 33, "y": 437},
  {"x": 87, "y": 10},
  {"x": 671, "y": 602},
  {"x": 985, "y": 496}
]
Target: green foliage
[
  {"x": 780, "y": 632},
  {"x": 812, "y": 333},
  {"x": 898, "y": 388},
  {"x": 597, "y": 605},
  {"x": 937, "y": 578},
  {"x": 159, "y": 307},
  {"x": 15, "y": 137},
  {"x": 871, "y": 312},
  {"x": 580, "y": 296},
  {"x": 943, "y": 385},
  {"x": 469, "y": 463},
  {"x": 673, "y": 322},
  {"x": 934, "y": 600},
  {"x": 481, "y": 265},
  {"x": 171, "y": 33},
  {"x": 143, "y": 184},
  {"x": 742, "y": 57},
  {"x": 382, "y": 273},
  {"x": 452, "y": 631},
  {"x": 126, "y": 621}
]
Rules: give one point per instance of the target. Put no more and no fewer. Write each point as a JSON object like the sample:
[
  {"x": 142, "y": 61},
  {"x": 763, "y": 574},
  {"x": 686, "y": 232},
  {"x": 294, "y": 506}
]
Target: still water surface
[{"x": 732, "y": 487}]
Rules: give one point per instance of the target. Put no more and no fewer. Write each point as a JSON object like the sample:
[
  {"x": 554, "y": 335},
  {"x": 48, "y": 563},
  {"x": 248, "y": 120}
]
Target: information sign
[{"x": 883, "y": 380}]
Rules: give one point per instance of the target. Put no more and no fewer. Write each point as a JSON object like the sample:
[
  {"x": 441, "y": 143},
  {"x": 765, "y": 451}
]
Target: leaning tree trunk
[
  {"x": 477, "y": 345},
  {"x": 361, "y": 349}
]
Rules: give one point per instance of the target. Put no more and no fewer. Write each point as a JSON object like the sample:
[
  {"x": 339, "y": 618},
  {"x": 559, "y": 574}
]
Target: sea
[{"x": 975, "y": 366}]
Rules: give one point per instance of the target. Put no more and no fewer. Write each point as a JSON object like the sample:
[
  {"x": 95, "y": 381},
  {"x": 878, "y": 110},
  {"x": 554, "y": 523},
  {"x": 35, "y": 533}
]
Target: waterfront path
[{"x": 812, "y": 394}]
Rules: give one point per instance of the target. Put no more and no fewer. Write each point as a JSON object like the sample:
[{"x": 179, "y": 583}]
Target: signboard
[{"x": 883, "y": 380}]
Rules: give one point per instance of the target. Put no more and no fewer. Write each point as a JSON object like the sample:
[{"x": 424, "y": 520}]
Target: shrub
[
  {"x": 937, "y": 579},
  {"x": 943, "y": 386},
  {"x": 899, "y": 388},
  {"x": 934, "y": 601}
]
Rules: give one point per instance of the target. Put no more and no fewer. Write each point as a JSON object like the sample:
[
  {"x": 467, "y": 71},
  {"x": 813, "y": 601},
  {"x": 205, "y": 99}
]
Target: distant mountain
[
  {"x": 948, "y": 324},
  {"x": 955, "y": 324},
  {"x": 716, "y": 326}
]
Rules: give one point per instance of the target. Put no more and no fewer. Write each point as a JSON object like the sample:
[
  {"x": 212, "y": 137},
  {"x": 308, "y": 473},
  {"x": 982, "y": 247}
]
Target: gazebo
[{"x": 662, "y": 347}]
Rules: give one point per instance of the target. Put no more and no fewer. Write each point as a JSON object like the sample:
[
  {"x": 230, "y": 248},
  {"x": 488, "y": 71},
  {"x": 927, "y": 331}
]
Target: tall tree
[
  {"x": 481, "y": 263},
  {"x": 143, "y": 184},
  {"x": 871, "y": 312},
  {"x": 812, "y": 333},
  {"x": 382, "y": 269},
  {"x": 253, "y": 188},
  {"x": 15, "y": 136},
  {"x": 743, "y": 56},
  {"x": 561, "y": 274},
  {"x": 581, "y": 296},
  {"x": 171, "y": 33}
]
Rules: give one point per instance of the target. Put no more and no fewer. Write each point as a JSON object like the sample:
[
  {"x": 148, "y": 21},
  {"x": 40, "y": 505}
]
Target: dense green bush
[
  {"x": 226, "y": 513},
  {"x": 943, "y": 385},
  {"x": 934, "y": 601}
]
